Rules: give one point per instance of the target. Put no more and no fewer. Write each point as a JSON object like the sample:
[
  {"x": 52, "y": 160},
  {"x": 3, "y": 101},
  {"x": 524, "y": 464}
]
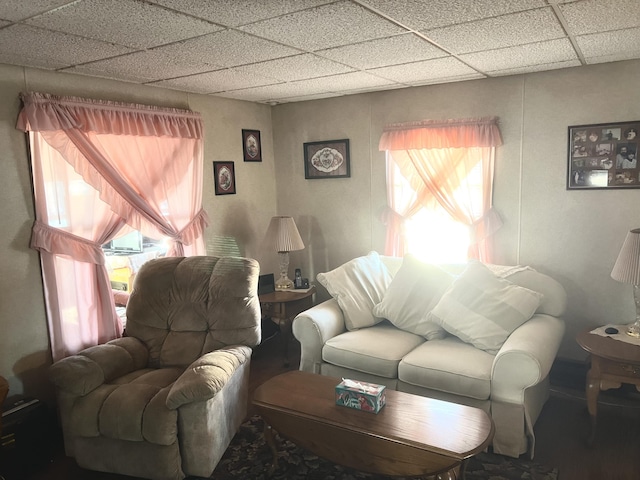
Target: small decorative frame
[
  {"x": 251, "y": 146},
  {"x": 327, "y": 159},
  {"x": 603, "y": 156},
  {"x": 224, "y": 178}
]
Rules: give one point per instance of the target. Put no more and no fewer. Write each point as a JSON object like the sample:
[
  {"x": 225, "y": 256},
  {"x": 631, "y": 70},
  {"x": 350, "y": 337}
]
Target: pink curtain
[
  {"x": 430, "y": 162},
  {"x": 98, "y": 166}
]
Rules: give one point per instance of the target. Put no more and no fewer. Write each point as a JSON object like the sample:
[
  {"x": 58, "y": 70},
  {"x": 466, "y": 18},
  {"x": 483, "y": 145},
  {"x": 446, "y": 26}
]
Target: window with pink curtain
[
  {"x": 439, "y": 188},
  {"x": 99, "y": 167}
]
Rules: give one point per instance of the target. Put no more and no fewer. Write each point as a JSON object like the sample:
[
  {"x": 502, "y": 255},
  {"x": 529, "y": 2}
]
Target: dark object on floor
[
  {"x": 611, "y": 330},
  {"x": 249, "y": 457},
  {"x": 27, "y": 430}
]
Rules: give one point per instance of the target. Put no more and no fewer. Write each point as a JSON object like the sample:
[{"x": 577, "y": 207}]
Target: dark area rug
[{"x": 248, "y": 457}]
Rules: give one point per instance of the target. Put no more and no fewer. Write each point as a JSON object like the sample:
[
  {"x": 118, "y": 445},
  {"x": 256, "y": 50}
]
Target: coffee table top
[{"x": 456, "y": 431}]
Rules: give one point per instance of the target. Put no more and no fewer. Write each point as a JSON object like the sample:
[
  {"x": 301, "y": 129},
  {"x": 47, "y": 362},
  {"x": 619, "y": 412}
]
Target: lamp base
[
  {"x": 634, "y": 330},
  {"x": 284, "y": 282}
]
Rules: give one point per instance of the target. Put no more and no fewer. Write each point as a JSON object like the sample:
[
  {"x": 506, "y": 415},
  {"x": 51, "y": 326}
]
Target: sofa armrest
[
  {"x": 526, "y": 357},
  {"x": 205, "y": 377},
  {"x": 312, "y": 328},
  {"x": 84, "y": 372}
]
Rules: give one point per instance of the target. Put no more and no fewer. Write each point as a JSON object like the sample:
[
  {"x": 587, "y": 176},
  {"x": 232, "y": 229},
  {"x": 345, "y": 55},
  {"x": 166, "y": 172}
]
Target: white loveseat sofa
[{"x": 484, "y": 336}]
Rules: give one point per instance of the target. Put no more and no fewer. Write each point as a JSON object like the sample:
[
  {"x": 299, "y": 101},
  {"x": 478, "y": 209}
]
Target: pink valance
[
  {"x": 46, "y": 112},
  {"x": 454, "y": 133}
]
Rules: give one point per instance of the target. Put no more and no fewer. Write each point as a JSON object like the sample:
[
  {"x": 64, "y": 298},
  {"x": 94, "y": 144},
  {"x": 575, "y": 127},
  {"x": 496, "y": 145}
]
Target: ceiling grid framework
[{"x": 279, "y": 51}]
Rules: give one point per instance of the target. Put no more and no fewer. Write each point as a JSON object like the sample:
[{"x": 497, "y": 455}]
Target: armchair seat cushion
[
  {"x": 376, "y": 350},
  {"x": 449, "y": 365}
]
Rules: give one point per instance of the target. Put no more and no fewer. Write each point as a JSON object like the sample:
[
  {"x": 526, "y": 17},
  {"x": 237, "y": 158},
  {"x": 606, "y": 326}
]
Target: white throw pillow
[
  {"x": 412, "y": 294},
  {"x": 482, "y": 309},
  {"x": 358, "y": 285}
]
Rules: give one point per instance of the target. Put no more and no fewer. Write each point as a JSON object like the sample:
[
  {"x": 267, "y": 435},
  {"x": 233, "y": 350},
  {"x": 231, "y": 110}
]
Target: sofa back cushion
[{"x": 184, "y": 307}]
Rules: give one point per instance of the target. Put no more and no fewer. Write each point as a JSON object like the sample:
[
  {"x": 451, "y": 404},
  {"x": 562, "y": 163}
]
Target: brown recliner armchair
[{"x": 165, "y": 401}]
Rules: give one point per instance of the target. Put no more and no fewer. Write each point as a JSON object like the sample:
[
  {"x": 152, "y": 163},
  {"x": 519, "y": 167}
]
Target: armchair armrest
[
  {"x": 205, "y": 377},
  {"x": 312, "y": 328},
  {"x": 84, "y": 372},
  {"x": 526, "y": 357}
]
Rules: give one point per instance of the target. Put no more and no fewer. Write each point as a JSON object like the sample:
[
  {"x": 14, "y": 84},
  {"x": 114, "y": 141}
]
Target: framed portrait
[
  {"x": 251, "y": 147},
  {"x": 327, "y": 159},
  {"x": 224, "y": 178},
  {"x": 603, "y": 156}
]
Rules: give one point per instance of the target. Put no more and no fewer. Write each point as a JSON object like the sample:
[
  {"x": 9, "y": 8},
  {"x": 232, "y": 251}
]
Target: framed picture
[
  {"x": 603, "y": 156},
  {"x": 328, "y": 159},
  {"x": 224, "y": 178},
  {"x": 251, "y": 147}
]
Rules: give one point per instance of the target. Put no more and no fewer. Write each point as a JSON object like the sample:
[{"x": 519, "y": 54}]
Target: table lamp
[
  {"x": 283, "y": 235},
  {"x": 627, "y": 270}
]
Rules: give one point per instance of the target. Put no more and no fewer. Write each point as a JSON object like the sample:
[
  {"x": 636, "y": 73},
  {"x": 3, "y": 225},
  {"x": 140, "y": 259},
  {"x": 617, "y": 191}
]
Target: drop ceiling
[{"x": 279, "y": 51}]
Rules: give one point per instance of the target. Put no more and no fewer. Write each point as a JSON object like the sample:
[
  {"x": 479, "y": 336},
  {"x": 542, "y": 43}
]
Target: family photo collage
[{"x": 604, "y": 156}]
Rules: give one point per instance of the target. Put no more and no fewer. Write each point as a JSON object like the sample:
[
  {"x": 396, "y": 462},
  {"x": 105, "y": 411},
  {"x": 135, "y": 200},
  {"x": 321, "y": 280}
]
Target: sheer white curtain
[{"x": 98, "y": 166}]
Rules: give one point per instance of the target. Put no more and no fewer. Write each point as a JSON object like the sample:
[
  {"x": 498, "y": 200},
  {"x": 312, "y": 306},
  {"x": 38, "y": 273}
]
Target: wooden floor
[{"x": 561, "y": 430}]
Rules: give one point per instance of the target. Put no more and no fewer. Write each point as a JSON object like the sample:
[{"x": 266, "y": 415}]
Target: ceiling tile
[
  {"x": 268, "y": 93},
  {"x": 426, "y": 15},
  {"x": 536, "y": 68},
  {"x": 298, "y": 67},
  {"x": 239, "y": 12},
  {"x": 218, "y": 81},
  {"x": 131, "y": 22},
  {"x": 147, "y": 65},
  {"x": 353, "y": 81},
  {"x": 15, "y": 10},
  {"x": 49, "y": 50},
  {"x": 385, "y": 51},
  {"x": 506, "y": 31},
  {"x": 228, "y": 48},
  {"x": 591, "y": 16},
  {"x": 610, "y": 46},
  {"x": 327, "y": 26},
  {"x": 541, "y": 53},
  {"x": 428, "y": 70}
]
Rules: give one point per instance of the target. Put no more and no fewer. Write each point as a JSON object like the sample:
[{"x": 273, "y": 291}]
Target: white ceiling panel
[
  {"x": 290, "y": 50},
  {"x": 234, "y": 13},
  {"x": 541, "y": 53},
  {"x": 383, "y": 52},
  {"x": 618, "y": 45},
  {"x": 590, "y": 16},
  {"x": 499, "y": 32},
  {"x": 429, "y": 70},
  {"x": 327, "y": 26},
  {"x": 132, "y": 23},
  {"x": 298, "y": 67},
  {"x": 429, "y": 14},
  {"x": 47, "y": 49}
]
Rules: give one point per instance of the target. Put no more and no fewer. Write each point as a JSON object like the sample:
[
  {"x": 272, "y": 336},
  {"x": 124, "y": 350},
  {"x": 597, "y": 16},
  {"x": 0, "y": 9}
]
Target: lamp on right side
[{"x": 627, "y": 270}]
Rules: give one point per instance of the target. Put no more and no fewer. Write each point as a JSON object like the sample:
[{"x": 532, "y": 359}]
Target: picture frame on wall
[
  {"x": 327, "y": 159},
  {"x": 224, "y": 178},
  {"x": 603, "y": 156},
  {"x": 251, "y": 146}
]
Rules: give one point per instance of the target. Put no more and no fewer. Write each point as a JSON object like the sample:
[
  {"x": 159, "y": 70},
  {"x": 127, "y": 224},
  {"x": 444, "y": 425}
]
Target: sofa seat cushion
[
  {"x": 449, "y": 365},
  {"x": 375, "y": 350},
  {"x": 131, "y": 408}
]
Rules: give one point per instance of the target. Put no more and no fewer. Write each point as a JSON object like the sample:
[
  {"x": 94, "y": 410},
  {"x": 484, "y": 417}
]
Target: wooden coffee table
[{"x": 411, "y": 436}]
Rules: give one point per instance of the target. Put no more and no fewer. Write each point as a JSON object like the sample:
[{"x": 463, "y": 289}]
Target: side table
[
  {"x": 283, "y": 306},
  {"x": 613, "y": 363}
]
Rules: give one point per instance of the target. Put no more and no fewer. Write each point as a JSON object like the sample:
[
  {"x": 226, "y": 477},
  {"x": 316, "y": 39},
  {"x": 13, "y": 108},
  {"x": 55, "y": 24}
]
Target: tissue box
[{"x": 364, "y": 396}]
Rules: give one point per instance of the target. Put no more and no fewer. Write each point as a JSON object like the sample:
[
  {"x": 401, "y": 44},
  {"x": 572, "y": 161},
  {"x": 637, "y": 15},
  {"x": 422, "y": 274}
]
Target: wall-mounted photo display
[
  {"x": 327, "y": 159},
  {"x": 224, "y": 178},
  {"x": 251, "y": 147},
  {"x": 603, "y": 156}
]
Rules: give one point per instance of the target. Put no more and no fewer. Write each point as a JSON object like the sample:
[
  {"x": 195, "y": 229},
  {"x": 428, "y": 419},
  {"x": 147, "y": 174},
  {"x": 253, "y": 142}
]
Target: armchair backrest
[{"x": 184, "y": 307}]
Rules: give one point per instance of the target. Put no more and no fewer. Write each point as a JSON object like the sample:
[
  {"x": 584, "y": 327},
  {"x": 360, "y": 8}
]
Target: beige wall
[
  {"x": 571, "y": 235},
  {"x": 237, "y": 222}
]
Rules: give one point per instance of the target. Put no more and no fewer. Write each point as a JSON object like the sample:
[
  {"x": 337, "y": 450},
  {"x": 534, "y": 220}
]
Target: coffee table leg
[
  {"x": 271, "y": 441},
  {"x": 456, "y": 473}
]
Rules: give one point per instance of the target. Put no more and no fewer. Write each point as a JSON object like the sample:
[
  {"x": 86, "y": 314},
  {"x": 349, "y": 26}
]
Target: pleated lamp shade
[
  {"x": 627, "y": 266},
  {"x": 283, "y": 235}
]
